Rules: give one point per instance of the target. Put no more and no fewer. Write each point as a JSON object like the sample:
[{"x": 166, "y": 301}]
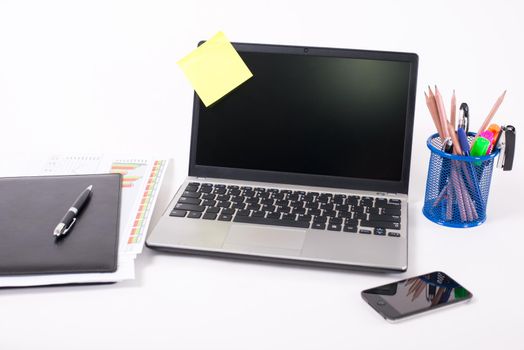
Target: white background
[{"x": 100, "y": 76}]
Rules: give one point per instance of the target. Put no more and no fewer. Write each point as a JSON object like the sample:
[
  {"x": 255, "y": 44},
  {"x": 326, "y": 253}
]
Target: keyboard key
[
  {"x": 266, "y": 221},
  {"x": 191, "y": 194},
  {"x": 190, "y": 188},
  {"x": 337, "y": 221},
  {"x": 266, "y": 201},
  {"x": 194, "y": 215},
  {"x": 351, "y": 222},
  {"x": 258, "y": 214},
  {"x": 233, "y": 192},
  {"x": 205, "y": 189},
  {"x": 194, "y": 184},
  {"x": 330, "y": 213},
  {"x": 228, "y": 211},
  {"x": 304, "y": 218},
  {"x": 212, "y": 210},
  {"x": 318, "y": 226},
  {"x": 327, "y": 206},
  {"x": 208, "y": 196},
  {"x": 278, "y": 195},
  {"x": 225, "y": 217},
  {"x": 380, "y": 202},
  {"x": 186, "y": 200},
  {"x": 391, "y": 211},
  {"x": 178, "y": 213},
  {"x": 394, "y": 201},
  {"x": 252, "y": 200},
  {"x": 238, "y": 206},
  {"x": 349, "y": 228},
  {"x": 223, "y": 197},
  {"x": 384, "y": 224},
  {"x": 281, "y": 202},
  {"x": 253, "y": 207},
  {"x": 243, "y": 212},
  {"x": 288, "y": 216},
  {"x": 352, "y": 200},
  {"x": 365, "y": 232},
  {"x": 311, "y": 205},
  {"x": 269, "y": 208},
  {"x": 190, "y": 207},
  {"x": 237, "y": 199},
  {"x": 232, "y": 187},
  {"x": 366, "y": 201},
  {"x": 394, "y": 234},
  {"x": 394, "y": 218},
  {"x": 285, "y": 210},
  {"x": 315, "y": 212},
  {"x": 273, "y": 215},
  {"x": 208, "y": 203},
  {"x": 298, "y": 211},
  {"x": 223, "y": 204},
  {"x": 344, "y": 214},
  {"x": 380, "y": 231},
  {"x": 334, "y": 227},
  {"x": 320, "y": 219},
  {"x": 219, "y": 190}
]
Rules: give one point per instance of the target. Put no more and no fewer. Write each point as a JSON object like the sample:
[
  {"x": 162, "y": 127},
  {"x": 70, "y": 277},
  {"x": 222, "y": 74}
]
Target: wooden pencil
[
  {"x": 453, "y": 110},
  {"x": 432, "y": 107},
  {"x": 492, "y": 112},
  {"x": 442, "y": 112}
]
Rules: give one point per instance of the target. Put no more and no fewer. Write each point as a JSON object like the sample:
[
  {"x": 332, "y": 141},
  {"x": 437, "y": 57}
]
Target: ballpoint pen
[{"x": 70, "y": 217}]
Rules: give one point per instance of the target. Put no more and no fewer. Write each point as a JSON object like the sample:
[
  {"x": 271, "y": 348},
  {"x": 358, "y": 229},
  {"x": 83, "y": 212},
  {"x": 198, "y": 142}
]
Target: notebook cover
[{"x": 30, "y": 209}]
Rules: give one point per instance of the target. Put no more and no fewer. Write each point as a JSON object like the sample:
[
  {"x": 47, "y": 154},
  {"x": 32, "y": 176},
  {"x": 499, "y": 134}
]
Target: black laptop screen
[{"x": 342, "y": 117}]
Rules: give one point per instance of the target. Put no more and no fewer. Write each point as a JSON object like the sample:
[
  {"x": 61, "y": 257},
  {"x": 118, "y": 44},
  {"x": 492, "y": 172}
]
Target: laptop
[{"x": 307, "y": 162}]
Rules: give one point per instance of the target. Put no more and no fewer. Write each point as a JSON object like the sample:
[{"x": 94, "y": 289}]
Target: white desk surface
[{"x": 100, "y": 76}]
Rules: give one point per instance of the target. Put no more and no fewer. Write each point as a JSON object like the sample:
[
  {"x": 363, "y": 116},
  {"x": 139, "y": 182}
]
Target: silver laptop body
[{"x": 306, "y": 163}]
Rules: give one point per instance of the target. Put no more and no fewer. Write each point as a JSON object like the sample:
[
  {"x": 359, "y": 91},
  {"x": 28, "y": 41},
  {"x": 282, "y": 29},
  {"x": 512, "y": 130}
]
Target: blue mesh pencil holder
[{"x": 457, "y": 187}]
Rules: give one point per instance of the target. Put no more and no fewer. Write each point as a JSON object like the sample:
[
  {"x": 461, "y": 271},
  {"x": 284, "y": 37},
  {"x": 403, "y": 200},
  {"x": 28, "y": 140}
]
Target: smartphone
[{"x": 412, "y": 296}]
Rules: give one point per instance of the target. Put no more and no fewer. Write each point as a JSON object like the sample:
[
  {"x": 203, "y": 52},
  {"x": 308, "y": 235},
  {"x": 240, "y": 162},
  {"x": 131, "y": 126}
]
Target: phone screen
[{"x": 415, "y": 295}]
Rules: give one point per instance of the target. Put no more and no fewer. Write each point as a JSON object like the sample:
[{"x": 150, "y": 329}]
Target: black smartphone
[{"x": 412, "y": 296}]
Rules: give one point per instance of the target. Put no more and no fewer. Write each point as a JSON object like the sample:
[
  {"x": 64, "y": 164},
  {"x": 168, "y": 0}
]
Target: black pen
[{"x": 70, "y": 217}]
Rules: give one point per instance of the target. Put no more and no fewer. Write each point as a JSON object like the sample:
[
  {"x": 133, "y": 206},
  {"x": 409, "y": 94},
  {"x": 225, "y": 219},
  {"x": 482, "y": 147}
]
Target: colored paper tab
[{"x": 214, "y": 69}]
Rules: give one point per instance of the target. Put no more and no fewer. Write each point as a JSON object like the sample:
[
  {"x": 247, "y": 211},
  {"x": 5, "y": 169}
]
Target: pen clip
[
  {"x": 447, "y": 145},
  {"x": 68, "y": 227},
  {"x": 463, "y": 121}
]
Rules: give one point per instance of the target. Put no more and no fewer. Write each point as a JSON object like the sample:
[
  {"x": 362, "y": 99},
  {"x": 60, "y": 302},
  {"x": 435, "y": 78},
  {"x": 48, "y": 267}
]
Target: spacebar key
[{"x": 276, "y": 222}]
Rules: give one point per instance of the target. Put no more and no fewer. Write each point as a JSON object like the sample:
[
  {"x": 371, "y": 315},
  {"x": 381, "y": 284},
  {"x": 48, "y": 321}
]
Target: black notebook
[{"x": 30, "y": 209}]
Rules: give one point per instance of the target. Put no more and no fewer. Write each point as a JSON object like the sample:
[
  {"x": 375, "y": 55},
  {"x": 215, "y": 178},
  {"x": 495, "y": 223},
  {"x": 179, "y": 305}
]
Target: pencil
[
  {"x": 492, "y": 112},
  {"x": 453, "y": 110},
  {"x": 432, "y": 107},
  {"x": 442, "y": 112}
]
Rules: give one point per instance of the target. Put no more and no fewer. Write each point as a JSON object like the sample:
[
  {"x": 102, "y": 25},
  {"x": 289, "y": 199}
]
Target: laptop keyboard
[{"x": 271, "y": 206}]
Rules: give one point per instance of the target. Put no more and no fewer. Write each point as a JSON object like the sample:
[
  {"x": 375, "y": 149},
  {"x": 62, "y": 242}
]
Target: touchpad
[{"x": 265, "y": 237}]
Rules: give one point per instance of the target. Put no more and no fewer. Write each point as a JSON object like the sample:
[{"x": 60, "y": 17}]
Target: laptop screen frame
[{"x": 400, "y": 186}]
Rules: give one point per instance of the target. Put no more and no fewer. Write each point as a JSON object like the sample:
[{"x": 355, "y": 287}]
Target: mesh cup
[{"x": 457, "y": 187}]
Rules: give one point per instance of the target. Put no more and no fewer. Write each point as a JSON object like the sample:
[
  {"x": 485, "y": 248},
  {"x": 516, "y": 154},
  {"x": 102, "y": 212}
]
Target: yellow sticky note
[{"x": 214, "y": 69}]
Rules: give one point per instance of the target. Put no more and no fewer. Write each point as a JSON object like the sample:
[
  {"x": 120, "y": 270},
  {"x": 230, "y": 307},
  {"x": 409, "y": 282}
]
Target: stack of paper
[{"x": 141, "y": 180}]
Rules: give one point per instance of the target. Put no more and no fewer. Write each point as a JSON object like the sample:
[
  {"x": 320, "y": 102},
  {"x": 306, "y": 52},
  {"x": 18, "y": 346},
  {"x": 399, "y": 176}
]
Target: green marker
[{"x": 480, "y": 148}]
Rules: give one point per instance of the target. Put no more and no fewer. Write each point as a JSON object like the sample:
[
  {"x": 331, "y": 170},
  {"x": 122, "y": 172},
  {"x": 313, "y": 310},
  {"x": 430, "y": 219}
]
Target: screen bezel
[{"x": 400, "y": 186}]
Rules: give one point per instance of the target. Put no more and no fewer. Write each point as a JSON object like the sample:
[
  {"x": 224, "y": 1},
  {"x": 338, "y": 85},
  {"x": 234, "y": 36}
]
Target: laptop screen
[{"x": 340, "y": 117}]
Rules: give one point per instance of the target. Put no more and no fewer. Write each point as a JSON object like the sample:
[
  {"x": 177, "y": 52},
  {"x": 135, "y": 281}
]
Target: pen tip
[{"x": 90, "y": 187}]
